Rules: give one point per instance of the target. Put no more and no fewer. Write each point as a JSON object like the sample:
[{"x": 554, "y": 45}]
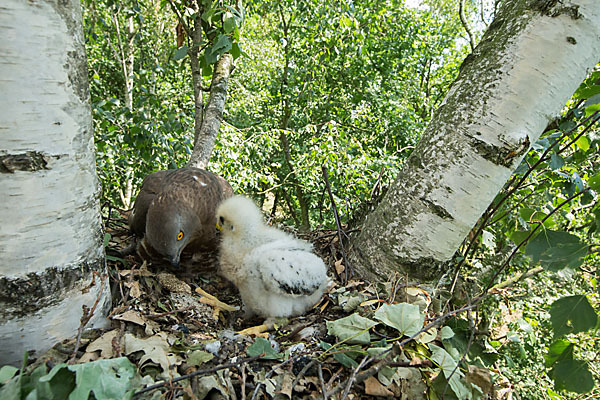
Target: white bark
[
  {"x": 528, "y": 64},
  {"x": 50, "y": 230}
]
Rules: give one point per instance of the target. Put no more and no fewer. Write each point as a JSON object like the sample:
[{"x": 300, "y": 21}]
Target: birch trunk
[
  {"x": 206, "y": 135},
  {"x": 50, "y": 236},
  {"x": 528, "y": 64}
]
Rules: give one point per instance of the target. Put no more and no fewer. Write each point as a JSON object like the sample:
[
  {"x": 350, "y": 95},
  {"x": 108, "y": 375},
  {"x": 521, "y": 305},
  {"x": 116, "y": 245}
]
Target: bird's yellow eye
[{"x": 180, "y": 235}]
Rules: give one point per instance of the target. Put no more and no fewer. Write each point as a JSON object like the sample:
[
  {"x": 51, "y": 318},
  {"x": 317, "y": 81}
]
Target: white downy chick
[{"x": 276, "y": 274}]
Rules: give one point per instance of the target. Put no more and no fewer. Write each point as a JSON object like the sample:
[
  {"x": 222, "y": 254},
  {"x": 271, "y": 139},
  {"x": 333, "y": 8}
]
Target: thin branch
[
  {"x": 364, "y": 361},
  {"x": 465, "y": 23},
  {"x": 86, "y": 316},
  {"x": 270, "y": 374},
  {"x": 533, "y": 231},
  {"x": 347, "y": 265},
  {"x": 320, "y": 372},
  {"x": 201, "y": 372}
]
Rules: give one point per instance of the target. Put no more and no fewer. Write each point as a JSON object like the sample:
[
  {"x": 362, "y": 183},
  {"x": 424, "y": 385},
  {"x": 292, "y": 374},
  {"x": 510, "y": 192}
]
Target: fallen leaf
[
  {"x": 156, "y": 349},
  {"x": 134, "y": 289},
  {"x": 286, "y": 385},
  {"x": 103, "y": 344},
  {"x": 374, "y": 388},
  {"x": 199, "y": 357},
  {"x": 339, "y": 267},
  {"x": 131, "y": 316}
]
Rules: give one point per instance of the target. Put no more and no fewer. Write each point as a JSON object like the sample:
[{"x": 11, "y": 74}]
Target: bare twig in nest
[
  {"x": 200, "y": 372},
  {"x": 365, "y": 360},
  {"x": 302, "y": 372},
  {"x": 170, "y": 312},
  {"x": 323, "y": 391},
  {"x": 87, "y": 315},
  {"x": 347, "y": 271},
  {"x": 270, "y": 374}
]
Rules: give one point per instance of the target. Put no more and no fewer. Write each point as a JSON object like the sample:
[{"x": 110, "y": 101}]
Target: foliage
[
  {"x": 547, "y": 215},
  {"x": 104, "y": 379}
]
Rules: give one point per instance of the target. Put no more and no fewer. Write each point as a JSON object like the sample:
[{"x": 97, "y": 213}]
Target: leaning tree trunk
[
  {"x": 528, "y": 64},
  {"x": 51, "y": 249}
]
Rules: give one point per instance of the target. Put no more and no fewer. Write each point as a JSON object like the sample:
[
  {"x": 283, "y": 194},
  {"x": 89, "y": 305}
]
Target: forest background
[{"x": 348, "y": 85}]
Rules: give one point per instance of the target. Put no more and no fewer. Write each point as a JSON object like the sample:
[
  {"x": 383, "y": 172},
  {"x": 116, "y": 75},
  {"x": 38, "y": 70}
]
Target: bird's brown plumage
[{"x": 175, "y": 210}]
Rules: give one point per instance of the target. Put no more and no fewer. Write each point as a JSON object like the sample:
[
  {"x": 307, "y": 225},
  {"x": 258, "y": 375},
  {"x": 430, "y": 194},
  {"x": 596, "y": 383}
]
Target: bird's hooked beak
[
  {"x": 175, "y": 259},
  {"x": 219, "y": 227}
]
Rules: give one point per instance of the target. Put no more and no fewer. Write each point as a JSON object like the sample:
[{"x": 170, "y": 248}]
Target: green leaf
[
  {"x": 583, "y": 143},
  {"x": 517, "y": 237},
  {"x": 353, "y": 329},
  {"x": 342, "y": 358},
  {"x": 574, "y": 309},
  {"x": 7, "y": 372},
  {"x": 106, "y": 379},
  {"x": 228, "y": 22},
  {"x": 447, "y": 333},
  {"x": 556, "y": 250},
  {"x": 445, "y": 361},
  {"x": 594, "y": 182},
  {"x": 587, "y": 92},
  {"x": 106, "y": 239},
  {"x": 180, "y": 52},
  {"x": 236, "y": 51},
  {"x": 559, "y": 350},
  {"x": 406, "y": 318},
  {"x": 199, "y": 357},
  {"x": 556, "y": 161},
  {"x": 572, "y": 375},
  {"x": 260, "y": 346}
]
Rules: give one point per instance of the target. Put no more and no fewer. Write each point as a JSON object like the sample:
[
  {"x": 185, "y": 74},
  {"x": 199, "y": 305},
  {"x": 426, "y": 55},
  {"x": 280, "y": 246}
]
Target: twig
[
  {"x": 347, "y": 274},
  {"x": 170, "y": 312},
  {"x": 323, "y": 391},
  {"x": 85, "y": 318},
  {"x": 517, "y": 278},
  {"x": 243, "y": 382},
  {"x": 270, "y": 374},
  {"x": 201, "y": 372},
  {"x": 533, "y": 231},
  {"x": 364, "y": 361},
  {"x": 302, "y": 372}
]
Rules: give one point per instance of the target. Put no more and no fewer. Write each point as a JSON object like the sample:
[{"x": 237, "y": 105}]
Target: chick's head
[
  {"x": 238, "y": 215},
  {"x": 169, "y": 229}
]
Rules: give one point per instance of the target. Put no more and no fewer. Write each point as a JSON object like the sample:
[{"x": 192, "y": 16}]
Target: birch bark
[
  {"x": 528, "y": 64},
  {"x": 50, "y": 235}
]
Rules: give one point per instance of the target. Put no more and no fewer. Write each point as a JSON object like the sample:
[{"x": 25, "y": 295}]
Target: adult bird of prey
[
  {"x": 175, "y": 211},
  {"x": 276, "y": 274}
]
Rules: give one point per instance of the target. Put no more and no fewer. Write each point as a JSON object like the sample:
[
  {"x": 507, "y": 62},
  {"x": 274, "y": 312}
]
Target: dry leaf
[
  {"x": 180, "y": 35},
  {"x": 131, "y": 316},
  {"x": 134, "y": 289},
  {"x": 103, "y": 344},
  {"x": 286, "y": 385},
  {"x": 339, "y": 267},
  {"x": 374, "y": 388}
]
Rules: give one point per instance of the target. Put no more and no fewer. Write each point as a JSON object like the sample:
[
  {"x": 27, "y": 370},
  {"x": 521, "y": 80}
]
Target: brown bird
[{"x": 175, "y": 211}]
